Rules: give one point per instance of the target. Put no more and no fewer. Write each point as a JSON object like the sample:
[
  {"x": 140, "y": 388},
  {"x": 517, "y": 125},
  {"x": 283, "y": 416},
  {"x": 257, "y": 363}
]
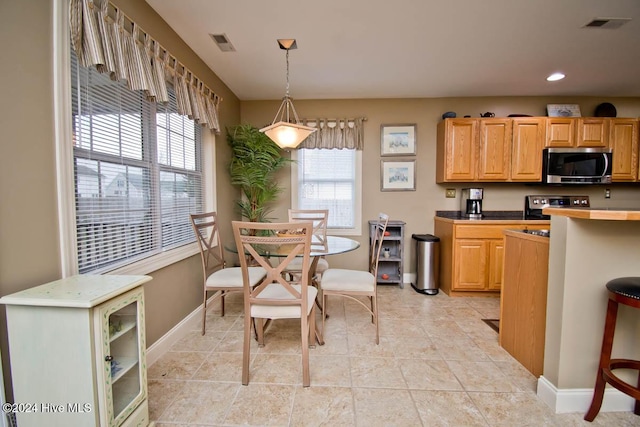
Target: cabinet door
[
  {"x": 561, "y": 132},
  {"x": 593, "y": 132},
  {"x": 623, "y": 140},
  {"x": 121, "y": 356},
  {"x": 458, "y": 143},
  {"x": 526, "y": 151},
  {"x": 496, "y": 259},
  {"x": 495, "y": 150},
  {"x": 470, "y": 264}
]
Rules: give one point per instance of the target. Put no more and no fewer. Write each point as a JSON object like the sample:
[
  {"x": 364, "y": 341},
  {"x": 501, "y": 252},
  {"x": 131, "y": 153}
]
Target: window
[
  {"x": 329, "y": 179},
  {"x": 137, "y": 172}
]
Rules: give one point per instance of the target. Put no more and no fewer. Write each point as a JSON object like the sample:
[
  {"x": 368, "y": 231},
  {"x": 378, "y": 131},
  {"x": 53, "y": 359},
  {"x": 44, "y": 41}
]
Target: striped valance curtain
[
  {"x": 101, "y": 38},
  {"x": 332, "y": 133}
]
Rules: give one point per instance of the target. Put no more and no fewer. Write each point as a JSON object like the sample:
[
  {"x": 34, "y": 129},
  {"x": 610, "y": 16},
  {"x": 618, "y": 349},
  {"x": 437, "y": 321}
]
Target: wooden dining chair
[
  {"x": 217, "y": 277},
  {"x": 319, "y": 218},
  {"x": 354, "y": 284},
  {"x": 274, "y": 297}
]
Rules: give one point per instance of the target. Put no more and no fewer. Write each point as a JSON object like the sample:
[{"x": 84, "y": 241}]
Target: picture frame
[
  {"x": 563, "y": 110},
  {"x": 398, "y": 175},
  {"x": 398, "y": 140}
]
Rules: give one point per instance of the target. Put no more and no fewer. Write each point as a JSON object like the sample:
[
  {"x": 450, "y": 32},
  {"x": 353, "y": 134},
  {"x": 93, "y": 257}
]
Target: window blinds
[{"x": 137, "y": 172}]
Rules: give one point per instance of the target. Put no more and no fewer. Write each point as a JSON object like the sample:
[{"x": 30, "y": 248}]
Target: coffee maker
[{"x": 471, "y": 203}]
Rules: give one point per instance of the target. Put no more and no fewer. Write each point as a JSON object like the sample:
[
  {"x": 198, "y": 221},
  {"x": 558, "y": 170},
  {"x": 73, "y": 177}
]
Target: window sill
[{"x": 156, "y": 262}]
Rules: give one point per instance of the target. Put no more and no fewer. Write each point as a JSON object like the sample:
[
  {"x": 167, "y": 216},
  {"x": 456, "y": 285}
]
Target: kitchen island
[{"x": 588, "y": 247}]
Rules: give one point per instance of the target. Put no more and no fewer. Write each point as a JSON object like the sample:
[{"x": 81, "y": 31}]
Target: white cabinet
[{"x": 77, "y": 351}]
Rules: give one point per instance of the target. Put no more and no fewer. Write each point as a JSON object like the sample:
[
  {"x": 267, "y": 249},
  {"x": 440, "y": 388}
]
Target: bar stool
[{"x": 623, "y": 290}]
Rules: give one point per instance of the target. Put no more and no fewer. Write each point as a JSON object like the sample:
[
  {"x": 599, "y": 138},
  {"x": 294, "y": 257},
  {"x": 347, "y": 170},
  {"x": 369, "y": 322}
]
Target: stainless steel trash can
[{"x": 427, "y": 263}]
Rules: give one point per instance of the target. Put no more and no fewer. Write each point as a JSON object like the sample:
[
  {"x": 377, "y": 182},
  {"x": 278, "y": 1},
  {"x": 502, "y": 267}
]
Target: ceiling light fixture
[
  {"x": 555, "y": 77},
  {"x": 286, "y": 130}
]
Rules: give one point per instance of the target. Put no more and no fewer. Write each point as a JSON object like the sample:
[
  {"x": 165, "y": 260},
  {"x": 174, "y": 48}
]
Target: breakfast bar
[{"x": 588, "y": 247}]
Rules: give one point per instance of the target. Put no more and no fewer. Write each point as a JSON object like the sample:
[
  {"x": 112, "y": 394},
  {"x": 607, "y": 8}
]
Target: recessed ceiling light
[{"x": 555, "y": 77}]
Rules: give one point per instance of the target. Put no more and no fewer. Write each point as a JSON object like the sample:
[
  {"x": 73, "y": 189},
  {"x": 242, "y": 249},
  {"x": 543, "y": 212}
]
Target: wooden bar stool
[{"x": 624, "y": 290}]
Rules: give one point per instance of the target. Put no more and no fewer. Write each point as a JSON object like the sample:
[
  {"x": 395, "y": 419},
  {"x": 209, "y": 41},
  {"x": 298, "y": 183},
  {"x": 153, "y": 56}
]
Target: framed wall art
[
  {"x": 398, "y": 140},
  {"x": 398, "y": 175}
]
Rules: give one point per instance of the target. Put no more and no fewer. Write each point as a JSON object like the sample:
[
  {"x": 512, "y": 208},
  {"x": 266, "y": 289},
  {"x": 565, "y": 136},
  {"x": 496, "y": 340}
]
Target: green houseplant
[{"x": 256, "y": 158}]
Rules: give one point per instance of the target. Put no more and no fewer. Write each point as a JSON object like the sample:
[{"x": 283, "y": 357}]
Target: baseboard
[
  {"x": 579, "y": 399},
  {"x": 162, "y": 345}
]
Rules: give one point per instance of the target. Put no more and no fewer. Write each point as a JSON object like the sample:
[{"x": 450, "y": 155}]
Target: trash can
[{"x": 427, "y": 263}]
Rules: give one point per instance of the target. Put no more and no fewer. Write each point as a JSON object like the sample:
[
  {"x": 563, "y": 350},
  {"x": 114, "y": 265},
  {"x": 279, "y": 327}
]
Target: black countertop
[{"x": 486, "y": 215}]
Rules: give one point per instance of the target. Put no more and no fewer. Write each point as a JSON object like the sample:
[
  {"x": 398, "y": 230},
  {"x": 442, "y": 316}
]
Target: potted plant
[{"x": 255, "y": 160}]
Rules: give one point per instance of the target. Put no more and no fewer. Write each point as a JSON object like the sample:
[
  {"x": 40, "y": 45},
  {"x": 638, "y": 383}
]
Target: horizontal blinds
[
  {"x": 326, "y": 180},
  {"x": 137, "y": 172}
]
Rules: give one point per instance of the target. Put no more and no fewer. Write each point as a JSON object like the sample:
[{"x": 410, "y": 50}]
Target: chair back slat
[
  {"x": 205, "y": 227},
  {"x": 319, "y": 218},
  {"x": 252, "y": 240},
  {"x": 376, "y": 244}
]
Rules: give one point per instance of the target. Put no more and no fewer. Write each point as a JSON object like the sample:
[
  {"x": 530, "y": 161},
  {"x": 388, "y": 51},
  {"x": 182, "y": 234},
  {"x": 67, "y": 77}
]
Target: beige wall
[
  {"x": 417, "y": 208},
  {"x": 29, "y": 254}
]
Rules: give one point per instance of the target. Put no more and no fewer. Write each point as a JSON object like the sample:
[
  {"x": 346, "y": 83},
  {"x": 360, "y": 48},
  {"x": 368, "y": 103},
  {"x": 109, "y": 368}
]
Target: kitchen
[{"x": 32, "y": 163}]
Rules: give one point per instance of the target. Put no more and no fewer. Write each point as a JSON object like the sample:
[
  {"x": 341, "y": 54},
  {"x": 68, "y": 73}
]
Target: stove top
[{"x": 534, "y": 204}]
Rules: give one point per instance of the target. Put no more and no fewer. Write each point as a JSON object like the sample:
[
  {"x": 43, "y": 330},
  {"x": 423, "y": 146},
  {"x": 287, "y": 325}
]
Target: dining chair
[
  {"x": 355, "y": 284},
  {"x": 274, "y": 297},
  {"x": 319, "y": 218},
  {"x": 217, "y": 276}
]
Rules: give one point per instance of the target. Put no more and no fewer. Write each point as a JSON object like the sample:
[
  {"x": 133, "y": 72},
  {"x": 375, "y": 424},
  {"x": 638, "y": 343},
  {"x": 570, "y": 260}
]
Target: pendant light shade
[{"x": 286, "y": 130}]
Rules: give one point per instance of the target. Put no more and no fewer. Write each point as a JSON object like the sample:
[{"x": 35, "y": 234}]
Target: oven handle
[{"x": 606, "y": 164}]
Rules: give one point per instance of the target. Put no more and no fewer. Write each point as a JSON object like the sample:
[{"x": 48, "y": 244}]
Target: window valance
[
  {"x": 335, "y": 133},
  {"x": 104, "y": 37}
]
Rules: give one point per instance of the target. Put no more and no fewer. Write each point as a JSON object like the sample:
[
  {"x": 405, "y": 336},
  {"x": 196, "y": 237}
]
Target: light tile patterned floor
[{"x": 438, "y": 364}]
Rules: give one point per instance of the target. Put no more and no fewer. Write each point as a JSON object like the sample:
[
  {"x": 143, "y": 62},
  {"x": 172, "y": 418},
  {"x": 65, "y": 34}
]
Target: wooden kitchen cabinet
[
  {"x": 623, "y": 140},
  {"x": 472, "y": 254},
  {"x": 77, "y": 345},
  {"x": 561, "y": 132},
  {"x": 577, "y": 132},
  {"x": 527, "y": 146},
  {"x": 523, "y": 300},
  {"x": 471, "y": 150}
]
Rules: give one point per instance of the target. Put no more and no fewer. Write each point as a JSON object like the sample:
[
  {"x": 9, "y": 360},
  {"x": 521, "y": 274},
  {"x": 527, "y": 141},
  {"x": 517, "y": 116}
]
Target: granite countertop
[{"x": 487, "y": 215}]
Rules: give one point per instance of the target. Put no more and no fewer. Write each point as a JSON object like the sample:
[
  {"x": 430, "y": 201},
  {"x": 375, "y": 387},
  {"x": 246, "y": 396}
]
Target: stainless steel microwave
[{"x": 576, "y": 165}]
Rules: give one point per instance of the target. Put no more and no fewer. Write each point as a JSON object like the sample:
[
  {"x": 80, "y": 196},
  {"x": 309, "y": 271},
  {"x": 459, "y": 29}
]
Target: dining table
[{"x": 320, "y": 247}]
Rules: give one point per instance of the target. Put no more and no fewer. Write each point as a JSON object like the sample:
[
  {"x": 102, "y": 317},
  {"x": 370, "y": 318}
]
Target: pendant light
[{"x": 286, "y": 130}]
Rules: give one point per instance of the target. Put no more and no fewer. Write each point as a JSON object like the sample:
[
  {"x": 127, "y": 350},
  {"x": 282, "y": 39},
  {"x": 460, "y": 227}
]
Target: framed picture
[
  {"x": 398, "y": 175},
  {"x": 563, "y": 110},
  {"x": 398, "y": 140}
]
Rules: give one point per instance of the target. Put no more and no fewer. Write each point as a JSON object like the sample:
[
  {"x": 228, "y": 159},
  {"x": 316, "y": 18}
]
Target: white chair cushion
[
  {"x": 338, "y": 279},
  {"x": 276, "y": 290},
  {"x": 232, "y": 277},
  {"x": 296, "y": 265}
]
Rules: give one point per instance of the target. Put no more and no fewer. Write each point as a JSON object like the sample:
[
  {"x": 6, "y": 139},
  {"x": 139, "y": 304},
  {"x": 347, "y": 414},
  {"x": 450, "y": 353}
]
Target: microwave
[{"x": 576, "y": 165}]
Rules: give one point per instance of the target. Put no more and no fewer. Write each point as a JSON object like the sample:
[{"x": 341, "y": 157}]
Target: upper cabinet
[
  {"x": 623, "y": 140},
  {"x": 577, "y": 132},
  {"x": 510, "y": 149},
  {"x": 489, "y": 150},
  {"x": 526, "y": 156}
]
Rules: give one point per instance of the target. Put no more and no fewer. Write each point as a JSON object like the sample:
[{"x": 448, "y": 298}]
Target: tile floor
[{"x": 438, "y": 364}]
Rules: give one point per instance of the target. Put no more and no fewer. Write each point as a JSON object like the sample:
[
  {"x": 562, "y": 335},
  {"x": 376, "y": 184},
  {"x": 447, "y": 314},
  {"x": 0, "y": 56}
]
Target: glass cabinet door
[{"x": 123, "y": 356}]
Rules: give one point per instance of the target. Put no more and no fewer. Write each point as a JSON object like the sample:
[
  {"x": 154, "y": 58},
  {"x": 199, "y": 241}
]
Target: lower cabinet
[
  {"x": 472, "y": 254},
  {"x": 77, "y": 351}
]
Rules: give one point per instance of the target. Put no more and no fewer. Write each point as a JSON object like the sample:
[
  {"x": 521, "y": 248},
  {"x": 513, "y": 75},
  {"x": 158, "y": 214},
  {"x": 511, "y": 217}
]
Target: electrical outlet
[
  {"x": 450, "y": 193},
  {"x": 607, "y": 193}
]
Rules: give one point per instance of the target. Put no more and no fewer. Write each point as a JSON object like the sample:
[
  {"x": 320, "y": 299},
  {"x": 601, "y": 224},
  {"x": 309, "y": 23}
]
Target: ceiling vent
[
  {"x": 608, "y": 23},
  {"x": 223, "y": 42}
]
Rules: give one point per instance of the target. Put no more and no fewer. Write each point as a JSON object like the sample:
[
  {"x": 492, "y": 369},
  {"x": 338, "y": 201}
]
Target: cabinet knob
[{"x": 108, "y": 358}]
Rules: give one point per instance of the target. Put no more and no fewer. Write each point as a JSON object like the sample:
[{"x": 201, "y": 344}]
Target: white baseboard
[
  {"x": 579, "y": 399},
  {"x": 178, "y": 332}
]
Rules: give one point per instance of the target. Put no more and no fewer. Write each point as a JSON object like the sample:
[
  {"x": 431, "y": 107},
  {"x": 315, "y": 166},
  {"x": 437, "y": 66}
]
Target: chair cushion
[
  {"x": 232, "y": 277},
  {"x": 276, "y": 290},
  {"x": 338, "y": 279},
  {"x": 296, "y": 265},
  {"x": 625, "y": 286}
]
